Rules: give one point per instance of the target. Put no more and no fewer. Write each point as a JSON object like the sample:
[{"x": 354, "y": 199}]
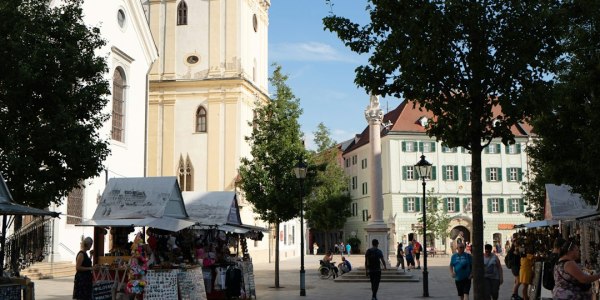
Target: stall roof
[
  {"x": 142, "y": 201},
  {"x": 9, "y": 207},
  {"x": 212, "y": 208},
  {"x": 562, "y": 204},
  {"x": 542, "y": 223}
]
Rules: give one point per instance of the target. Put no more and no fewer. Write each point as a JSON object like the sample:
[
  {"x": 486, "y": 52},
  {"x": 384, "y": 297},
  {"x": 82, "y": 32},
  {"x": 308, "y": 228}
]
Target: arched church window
[
  {"x": 182, "y": 11},
  {"x": 118, "y": 109},
  {"x": 201, "y": 119},
  {"x": 185, "y": 174}
]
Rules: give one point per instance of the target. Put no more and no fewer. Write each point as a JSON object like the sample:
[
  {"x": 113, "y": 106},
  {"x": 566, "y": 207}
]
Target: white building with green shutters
[{"x": 503, "y": 169}]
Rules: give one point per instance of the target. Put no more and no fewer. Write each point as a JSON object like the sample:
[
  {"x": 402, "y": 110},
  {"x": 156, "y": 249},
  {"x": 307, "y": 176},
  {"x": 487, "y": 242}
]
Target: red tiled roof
[{"x": 405, "y": 118}]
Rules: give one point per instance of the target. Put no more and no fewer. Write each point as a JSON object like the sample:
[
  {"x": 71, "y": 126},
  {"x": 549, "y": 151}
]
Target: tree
[
  {"x": 52, "y": 96},
  {"x": 328, "y": 206},
  {"x": 479, "y": 66},
  {"x": 438, "y": 220},
  {"x": 568, "y": 148},
  {"x": 267, "y": 179}
]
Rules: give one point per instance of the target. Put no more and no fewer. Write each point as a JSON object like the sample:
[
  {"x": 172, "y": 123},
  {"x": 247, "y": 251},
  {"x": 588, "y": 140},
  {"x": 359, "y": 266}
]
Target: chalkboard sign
[
  {"x": 102, "y": 290},
  {"x": 162, "y": 285},
  {"x": 191, "y": 284},
  {"x": 10, "y": 291}
]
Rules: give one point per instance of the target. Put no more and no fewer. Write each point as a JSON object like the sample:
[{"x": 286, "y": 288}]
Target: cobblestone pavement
[{"x": 441, "y": 285}]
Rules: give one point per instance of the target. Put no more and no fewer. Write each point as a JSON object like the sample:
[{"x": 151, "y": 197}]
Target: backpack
[
  {"x": 548, "y": 276},
  {"x": 508, "y": 259}
]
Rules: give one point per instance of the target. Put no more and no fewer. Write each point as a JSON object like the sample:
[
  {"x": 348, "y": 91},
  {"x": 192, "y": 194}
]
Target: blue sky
[{"x": 319, "y": 66}]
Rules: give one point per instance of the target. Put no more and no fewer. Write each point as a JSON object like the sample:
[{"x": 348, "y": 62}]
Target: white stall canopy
[
  {"x": 562, "y": 204},
  {"x": 142, "y": 201}
]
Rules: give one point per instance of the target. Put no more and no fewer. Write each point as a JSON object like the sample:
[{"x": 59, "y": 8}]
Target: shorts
[
  {"x": 463, "y": 286},
  {"x": 418, "y": 255}
]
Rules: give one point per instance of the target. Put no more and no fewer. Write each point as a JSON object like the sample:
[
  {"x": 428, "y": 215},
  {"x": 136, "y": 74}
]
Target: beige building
[{"x": 211, "y": 72}]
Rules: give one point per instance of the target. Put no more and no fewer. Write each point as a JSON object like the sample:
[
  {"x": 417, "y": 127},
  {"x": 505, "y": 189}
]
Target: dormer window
[{"x": 423, "y": 121}]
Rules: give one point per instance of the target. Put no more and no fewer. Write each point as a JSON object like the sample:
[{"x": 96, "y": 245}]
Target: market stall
[
  {"x": 146, "y": 256},
  {"x": 220, "y": 239}
]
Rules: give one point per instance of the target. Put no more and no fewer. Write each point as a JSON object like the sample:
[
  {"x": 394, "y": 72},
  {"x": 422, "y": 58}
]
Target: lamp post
[
  {"x": 300, "y": 171},
  {"x": 424, "y": 171}
]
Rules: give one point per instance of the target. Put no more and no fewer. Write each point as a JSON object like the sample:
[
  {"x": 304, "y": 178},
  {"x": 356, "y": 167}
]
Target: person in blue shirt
[
  {"x": 345, "y": 266},
  {"x": 408, "y": 255},
  {"x": 460, "y": 268}
]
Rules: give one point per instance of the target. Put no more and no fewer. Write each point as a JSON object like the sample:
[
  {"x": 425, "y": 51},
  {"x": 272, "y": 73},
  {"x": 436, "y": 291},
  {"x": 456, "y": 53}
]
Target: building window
[
  {"x": 450, "y": 173},
  {"x": 185, "y": 174},
  {"x": 75, "y": 206},
  {"x": 466, "y": 173},
  {"x": 347, "y": 162},
  {"x": 468, "y": 205},
  {"x": 364, "y": 188},
  {"x": 412, "y": 204},
  {"x": 293, "y": 235},
  {"x": 354, "y": 182},
  {"x": 363, "y": 163},
  {"x": 354, "y": 209},
  {"x": 514, "y": 174},
  {"x": 409, "y": 146},
  {"x": 513, "y": 149},
  {"x": 452, "y": 205},
  {"x": 427, "y": 147},
  {"x": 516, "y": 206},
  {"x": 118, "y": 109},
  {"x": 365, "y": 215},
  {"x": 495, "y": 205},
  {"x": 493, "y": 174},
  {"x": 354, "y": 159},
  {"x": 447, "y": 149},
  {"x": 493, "y": 148},
  {"x": 201, "y": 119},
  {"x": 408, "y": 173},
  {"x": 182, "y": 12}
]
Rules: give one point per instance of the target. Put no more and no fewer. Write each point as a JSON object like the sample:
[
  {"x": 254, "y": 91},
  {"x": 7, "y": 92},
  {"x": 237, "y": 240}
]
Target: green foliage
[
  {"x": 267, "y": 179},
  {"x": 568, "y": 148},
  {"x": 480, "y": 67},
  {"x": 354, "y": 243},
  {"x": 52, "y": 96},
  {"x": 328, "y": 206},
  {"x": 438, "y": 219}
]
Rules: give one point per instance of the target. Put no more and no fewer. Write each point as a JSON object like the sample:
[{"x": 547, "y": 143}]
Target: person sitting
[
  {"x": 345, "y": 265},
  {"x": 327, "y": 260}
]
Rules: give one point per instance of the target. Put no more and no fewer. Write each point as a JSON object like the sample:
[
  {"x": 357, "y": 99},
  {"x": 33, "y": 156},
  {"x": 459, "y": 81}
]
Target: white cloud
[{"x": 307, "y": 51}]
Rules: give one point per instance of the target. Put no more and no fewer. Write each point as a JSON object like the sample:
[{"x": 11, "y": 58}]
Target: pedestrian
[
  {"x": 514, "y": 257},
  {"x": 550, "y": 262},
  {"x": 493, "y": 276},
  {"x": 526, "y": 270},
  {"x": 82, "y": 287},
  {"x": 342, "y": 248},
  {"x": 400, "y": 257},
  {"x": 410, "y": 259},
  {"x": 373, "y": 262},
  {"x": 348, "y": 249},
  {"x": 315, "y": 248},
  {"x": 569, "y": 281},
  {"x": 345, "y": 266},
  {"x": 417, "y": 252},
  {"x": 460, "y": 268}
]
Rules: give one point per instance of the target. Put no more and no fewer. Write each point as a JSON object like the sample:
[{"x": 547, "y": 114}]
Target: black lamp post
[
  {"x": 424, "y": 171},
  {"x": 300, "y": 171}
]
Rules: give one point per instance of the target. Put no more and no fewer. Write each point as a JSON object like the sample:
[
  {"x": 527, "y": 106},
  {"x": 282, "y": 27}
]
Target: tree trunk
[
  {"x": 277, "y": 255},
  {"x": 477, "y": 205}
]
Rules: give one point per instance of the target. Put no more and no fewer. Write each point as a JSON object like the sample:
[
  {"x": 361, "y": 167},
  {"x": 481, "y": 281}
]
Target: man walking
[
  {"x": 417, "y": 252},
  {"x": 373, "y": 261},
  {"x": 400, "y": 257},
  {"x": 460, "y": 268}
]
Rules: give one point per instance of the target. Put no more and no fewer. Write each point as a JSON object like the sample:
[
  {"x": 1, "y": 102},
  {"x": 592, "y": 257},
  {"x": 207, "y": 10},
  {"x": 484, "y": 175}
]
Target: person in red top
[{"x": 417, "y": 252}]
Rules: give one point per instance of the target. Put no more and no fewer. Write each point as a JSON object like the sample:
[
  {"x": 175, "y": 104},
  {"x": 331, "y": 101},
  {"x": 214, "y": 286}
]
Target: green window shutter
[
  {"x": 487, "y": 174},
  {"x": 444, "y": 172},
  {"x": 520, "y": 174},
  {"x": 521, "y": 205},
  {"x": 445, "y": 204},
  {"x": 457, "y": 203},
  {"x": 432, "y": 146},
  {"x": 403, "y": 146},
  {"x": 405, "y": 204},
  {"x": 464, "y": 202},
  {"x": 417, "y": 204},
  {"x": 455, "y": 173},
  {"x": 433, "y": 173},
  {"x": 506, "y": 149},
  {"x": 404, "y": 172},
  {"x": 499, "y": 174},
  {"x": 420, "y": 146},
  {"x": 489, "y": 202},
  {"x": 518, "y": 147},
  {"x": 462, "y": 149},
  {"x": 464, "y": 173},
  {"x": 509, "y": 208},
  {"x": 486, "y": 150},
  {"x": 415, "y": 146},
  {"x": 501, "y": 205},
  {"x": 498, "y": 148}
]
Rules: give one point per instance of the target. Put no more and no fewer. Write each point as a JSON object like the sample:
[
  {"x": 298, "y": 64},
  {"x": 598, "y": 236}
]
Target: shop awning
[
  {"x": 141, "y": 201},
  {"x": 212, "y": 208},
  {"x": 562, "y": 204},
  {"x": 543, "y": 223},
  {"x": 9, "y": 207},
  {"x": 166, "y": 223}
]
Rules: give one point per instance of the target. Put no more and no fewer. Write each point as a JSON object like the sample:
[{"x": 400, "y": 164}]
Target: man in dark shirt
[{"x": 373, "y": 257}]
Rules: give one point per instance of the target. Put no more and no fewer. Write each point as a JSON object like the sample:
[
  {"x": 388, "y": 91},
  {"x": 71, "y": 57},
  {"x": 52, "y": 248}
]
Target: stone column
[{"x": 376, "y": 227}]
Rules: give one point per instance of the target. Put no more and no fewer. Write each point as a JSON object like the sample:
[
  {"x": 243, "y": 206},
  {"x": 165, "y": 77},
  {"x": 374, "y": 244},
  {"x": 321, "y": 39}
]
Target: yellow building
[{"x": 212, "y": 70}]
